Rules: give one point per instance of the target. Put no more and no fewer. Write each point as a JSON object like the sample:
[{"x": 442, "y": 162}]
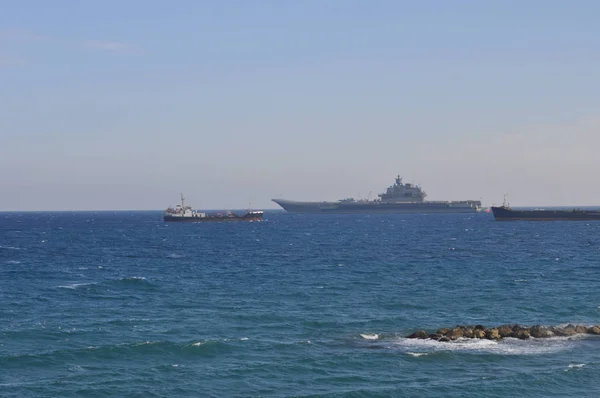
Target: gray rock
[
  {"x": 493, "y": 334},
  {"x": 539, "y": 332},
  {"x": 421, "y": 334}
]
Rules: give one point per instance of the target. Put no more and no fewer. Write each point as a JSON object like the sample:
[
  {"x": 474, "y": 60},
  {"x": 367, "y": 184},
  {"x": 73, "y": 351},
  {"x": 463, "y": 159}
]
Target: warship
[
  {"x": 183, "y": 213},
  {"x": 398, "y": 198},
  {"x": 506, "y": 213}
]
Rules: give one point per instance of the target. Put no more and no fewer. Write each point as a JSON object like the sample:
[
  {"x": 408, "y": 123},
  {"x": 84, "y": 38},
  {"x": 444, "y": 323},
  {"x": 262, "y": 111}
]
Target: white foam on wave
[
  {"x": 76, "y": 285},
  {"x": 417, "y": 354},
  {"x": 174, "y": 255},
  {"x": 10, "y": 248},
  {"x": 198, "y": 344},
  {"x": 507, "y": 346},
  {"x": 13, "y": 262},
  {"x": 372, "y": 336},
  {"x": 148, "y": 342},
  {"x": 244, "y": 338},
  {"x": 135, "y": 278},
  {"x": 576, "y": 365}
]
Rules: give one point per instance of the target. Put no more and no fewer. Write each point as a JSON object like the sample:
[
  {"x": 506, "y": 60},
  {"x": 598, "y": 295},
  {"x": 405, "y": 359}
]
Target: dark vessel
[
  {"x": 505, "y": 213},
  {"x": 398, "y": 198},
  {"x": 183, "y": 213}
]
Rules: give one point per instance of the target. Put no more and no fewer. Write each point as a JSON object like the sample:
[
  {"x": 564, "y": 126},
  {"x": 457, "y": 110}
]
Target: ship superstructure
[{"x": 403, "y": 193}]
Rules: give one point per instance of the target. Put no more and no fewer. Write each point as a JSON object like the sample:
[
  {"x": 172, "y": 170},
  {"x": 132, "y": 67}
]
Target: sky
[{"x": 112, "y": 104}]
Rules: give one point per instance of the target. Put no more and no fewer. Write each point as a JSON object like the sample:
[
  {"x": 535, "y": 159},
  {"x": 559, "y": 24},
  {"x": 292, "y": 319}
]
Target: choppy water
[{"x": 122, "y": 304}]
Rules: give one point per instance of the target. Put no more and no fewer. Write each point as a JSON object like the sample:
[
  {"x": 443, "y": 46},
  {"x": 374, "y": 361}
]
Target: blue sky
[{"x": 124, "y": 104}]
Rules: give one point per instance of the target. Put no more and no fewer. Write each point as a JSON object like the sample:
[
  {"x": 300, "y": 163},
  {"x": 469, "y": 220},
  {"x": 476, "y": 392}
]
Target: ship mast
[{"x": 182, "y": 203}]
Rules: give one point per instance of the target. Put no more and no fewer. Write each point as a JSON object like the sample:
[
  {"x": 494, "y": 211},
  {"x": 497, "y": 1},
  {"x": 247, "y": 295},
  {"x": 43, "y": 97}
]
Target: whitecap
[
  {"x": 10, "y": 248},
  {"x": 372, "y": 336},
  {"x": 76, "y": 285},
  {"x": 576, "y": 365},
  {"x": 13, "y": 262},
  {"x": 506, "y": 346},
  {"x": 417, "y": 354},
  {"x": 135, "y": 278},
  {"x": 148, "y": 342},
  {"x": 174, "y": 255},
  {"x": 244, "y": 338}
]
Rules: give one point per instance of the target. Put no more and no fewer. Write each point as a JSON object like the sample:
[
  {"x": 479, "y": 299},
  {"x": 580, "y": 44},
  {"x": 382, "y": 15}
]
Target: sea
[{"x": 122, "y": 304}]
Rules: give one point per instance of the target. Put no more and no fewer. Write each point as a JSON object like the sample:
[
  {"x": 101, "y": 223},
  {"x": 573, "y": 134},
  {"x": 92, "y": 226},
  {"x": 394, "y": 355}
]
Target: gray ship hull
[{"x": 376, "y": 207}]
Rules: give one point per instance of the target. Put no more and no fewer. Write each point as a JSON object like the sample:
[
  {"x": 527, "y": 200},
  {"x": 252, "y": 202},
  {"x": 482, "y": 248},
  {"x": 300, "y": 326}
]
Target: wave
[
  {"x": 135, "y": 350},
  {"x": 507, "y": 346},
  {"x": 417, "y": 354},
  {"x": 373, "y": 336},
  {"x": 134, "y": 278},
  {"x": 74, "y": 286},
  {"x": 9, "y": 248},
  {"x": 136, "y": 282},
  {"x": 175, "y": 256}
]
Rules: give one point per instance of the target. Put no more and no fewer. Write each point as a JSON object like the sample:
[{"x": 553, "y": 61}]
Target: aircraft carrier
[{"x": 398, "y": 198}]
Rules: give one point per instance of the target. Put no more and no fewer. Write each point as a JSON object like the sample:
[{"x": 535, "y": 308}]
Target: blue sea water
[{"x": 110, "y": 304}]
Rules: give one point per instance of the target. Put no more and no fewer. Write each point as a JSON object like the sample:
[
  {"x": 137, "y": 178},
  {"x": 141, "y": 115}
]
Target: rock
[
  {"x": 538, "y": 331},
  {"x": 511, "y": 330},
  {"x": 580, "y": 329},
  {"x": 505, "y": 331},
  {"x": 421, "y": 334},
  {"x": 594, "y": 329},
  {"x": 493, "y": 334},
  {"x": 455, "y": 333},
  {"x": 568, "y": 330},
  {"x": 479, "y": 334}
]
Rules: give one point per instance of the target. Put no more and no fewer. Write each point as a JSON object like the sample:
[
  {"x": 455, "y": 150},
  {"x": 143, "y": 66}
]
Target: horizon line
[{"x": 125, "y": 210}]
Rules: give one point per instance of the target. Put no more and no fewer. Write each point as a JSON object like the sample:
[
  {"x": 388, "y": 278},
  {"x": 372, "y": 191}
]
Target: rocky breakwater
[{"x": 500, "y": 332}]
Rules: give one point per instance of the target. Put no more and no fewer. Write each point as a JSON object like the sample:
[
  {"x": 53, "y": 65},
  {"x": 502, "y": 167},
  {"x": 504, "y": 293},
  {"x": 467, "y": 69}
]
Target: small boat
[{"x": 183, "y": 213}]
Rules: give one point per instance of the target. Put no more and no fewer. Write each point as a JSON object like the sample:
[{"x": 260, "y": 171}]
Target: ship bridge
[{"x": 401, "y": 192}]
